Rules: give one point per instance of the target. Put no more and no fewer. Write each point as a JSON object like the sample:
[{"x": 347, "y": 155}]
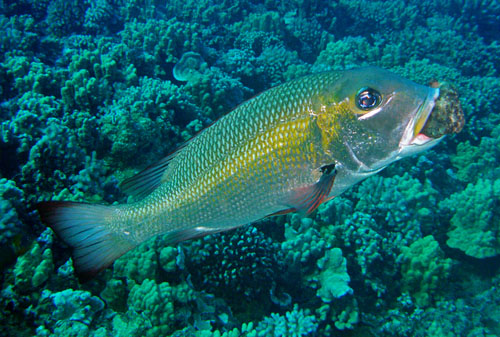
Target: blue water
[{"x": 93, "y": 91}]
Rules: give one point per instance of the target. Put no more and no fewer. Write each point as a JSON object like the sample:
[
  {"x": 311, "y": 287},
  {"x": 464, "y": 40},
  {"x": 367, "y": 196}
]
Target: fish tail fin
[{"x": 85, "y": 228}]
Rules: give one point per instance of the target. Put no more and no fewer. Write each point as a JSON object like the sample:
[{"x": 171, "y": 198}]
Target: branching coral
[
  {"x": 53, "y": 160},
  {"x": 424, "y": 269},
  {"x": 347, "y": 53},
  {"x": 12, "y": 209},
  {"x": 216, "y": 93},
  {"x": 295, "y": 323},
  {"x": 241, "y": 262},
  {"x": 156, "y": 43},
  {"x": 31, "y": 75},
  {"x": 65, "y": 17},
  {"x": 333, "y": 278},
  {"x": 302, "y": 246},
  {"x": 88, "y": 85},
  {"x": 147, "y": 116},
  {"x": 154, "y": 301},
  {"x": 33, "y": 268},
  {"x": 475, "y": 219},
  {"x": 77, "y": 108}
]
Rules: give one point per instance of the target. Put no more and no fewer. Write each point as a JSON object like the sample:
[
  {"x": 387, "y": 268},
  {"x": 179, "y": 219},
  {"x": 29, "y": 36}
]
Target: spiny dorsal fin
[{"x": 144, "y": 182}]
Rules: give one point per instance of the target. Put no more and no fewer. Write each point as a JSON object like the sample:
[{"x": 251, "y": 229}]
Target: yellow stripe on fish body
[
  {"x": 262, "y": 143},
  {"x": 290, "y": 148},
  {"x": 242, "y": 168}
]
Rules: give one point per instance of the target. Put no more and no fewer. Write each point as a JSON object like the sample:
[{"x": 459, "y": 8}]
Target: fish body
[{"x": 288, "y": 149}]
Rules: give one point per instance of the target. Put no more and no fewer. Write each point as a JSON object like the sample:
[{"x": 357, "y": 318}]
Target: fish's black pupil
[{"x": 368, "y": 98}]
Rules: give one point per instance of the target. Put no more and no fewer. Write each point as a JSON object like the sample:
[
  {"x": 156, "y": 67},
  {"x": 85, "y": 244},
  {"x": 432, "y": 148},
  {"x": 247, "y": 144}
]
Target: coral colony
[{"x": 94, "y": 91}]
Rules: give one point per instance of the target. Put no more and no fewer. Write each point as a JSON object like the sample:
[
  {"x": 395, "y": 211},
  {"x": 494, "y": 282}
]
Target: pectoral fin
[{"x": 307, "y": 199}]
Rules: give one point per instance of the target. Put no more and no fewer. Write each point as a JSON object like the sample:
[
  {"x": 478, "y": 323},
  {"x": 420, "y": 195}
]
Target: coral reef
[
  {"x": 92, "y": 91},
  {"x": 424, "y": 267},
  {"x": 476, "y": 219},
  {"x": 244, "y": 263},
  {"x": 333, "y": 278}
]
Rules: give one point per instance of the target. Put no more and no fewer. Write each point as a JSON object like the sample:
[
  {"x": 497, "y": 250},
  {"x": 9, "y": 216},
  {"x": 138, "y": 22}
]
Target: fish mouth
[{"x": 439, "y": 115}]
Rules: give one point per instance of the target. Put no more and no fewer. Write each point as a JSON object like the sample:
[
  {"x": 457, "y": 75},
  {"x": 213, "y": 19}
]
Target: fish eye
[{"x": 368, "y": 98}]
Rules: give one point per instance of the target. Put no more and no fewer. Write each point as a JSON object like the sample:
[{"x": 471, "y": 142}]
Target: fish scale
[
  {"x": 261, "y": 141},
  {"x": 290, "y": 148}
]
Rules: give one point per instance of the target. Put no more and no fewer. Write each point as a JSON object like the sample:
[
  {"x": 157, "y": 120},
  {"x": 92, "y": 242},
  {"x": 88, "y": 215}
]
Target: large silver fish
[{"x": 289, "y": 149}]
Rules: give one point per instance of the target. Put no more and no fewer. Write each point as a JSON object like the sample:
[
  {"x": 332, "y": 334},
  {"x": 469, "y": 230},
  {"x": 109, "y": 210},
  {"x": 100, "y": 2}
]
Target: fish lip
[{"x": 412, "y": 135}]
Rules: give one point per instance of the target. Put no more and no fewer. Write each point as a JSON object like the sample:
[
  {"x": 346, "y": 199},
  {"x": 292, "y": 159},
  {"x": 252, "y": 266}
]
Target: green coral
[
  {"x": 32, "y": 75},
  {"x": 68, "y": 313},
  {"x": 398, "y": 200},
  {"x": 246, "y": 330},
  {"x": 75, "y": 305},
  {"x": 167, "y": 259},
  {"x": 302, "y": 246},
  {"x": 295, "y": 323},
  {"x": 76, "y": 108},
  {"x": 389, "y": 213},
  {"x": 480, "y": 161},
  {"x": 275, "y": 61},
  {"x": 154, "y": 302},
  {"x": 147, "y": 116},
  {"x": 88, "y": 86},
  {"x": 475, "y": 219},
  {"x": 424, "y": 270},
  {"x": 125, "y": 325},
  {"x": 154, "y": 44},
  {"x": 333, "y": 278},
  {"x": 216, "y": 93},
  {"x": 347, "y": 53},
  {"x": 348, "y": 317},
  {"x": 21, "y": 36},
  {"x": 115, "y": 294},
  {"x": 101, "y": 17},
  {"x": 33, "y": 268},
  {"x": 65, "y": 17},
  {"x": 137, "y": 265},
  {"x": 12, "y": 210},
  {"x": 54, "y": 162}
]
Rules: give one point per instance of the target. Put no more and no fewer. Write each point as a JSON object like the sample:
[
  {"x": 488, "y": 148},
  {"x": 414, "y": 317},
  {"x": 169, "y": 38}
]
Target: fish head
[{"x": 387, "y": 117}]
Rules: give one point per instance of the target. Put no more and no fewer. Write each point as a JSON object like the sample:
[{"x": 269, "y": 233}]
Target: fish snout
[{"x": 447, "y": 115}]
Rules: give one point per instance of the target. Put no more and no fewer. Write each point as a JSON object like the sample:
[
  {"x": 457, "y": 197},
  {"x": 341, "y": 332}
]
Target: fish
[{"x": 288, "y": 149}]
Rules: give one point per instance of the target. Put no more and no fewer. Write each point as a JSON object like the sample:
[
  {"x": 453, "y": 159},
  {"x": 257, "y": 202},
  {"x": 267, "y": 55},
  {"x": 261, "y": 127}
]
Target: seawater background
[{"x": 88, "y": 97}]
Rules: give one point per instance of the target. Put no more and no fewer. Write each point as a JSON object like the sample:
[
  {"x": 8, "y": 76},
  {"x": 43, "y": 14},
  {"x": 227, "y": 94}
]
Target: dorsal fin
[{"x": 144, "y": 182}]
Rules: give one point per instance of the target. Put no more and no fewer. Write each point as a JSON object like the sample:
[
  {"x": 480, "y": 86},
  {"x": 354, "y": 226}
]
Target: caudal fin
[{"x": 84, "y": 227}]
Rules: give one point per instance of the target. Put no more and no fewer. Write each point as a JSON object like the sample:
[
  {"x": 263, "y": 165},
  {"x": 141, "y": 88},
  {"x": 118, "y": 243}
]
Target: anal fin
[
  {"x": 282, "y": 212},
  {"x": 307, "y": 199},
  {"x": 184, "y": 234}
]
